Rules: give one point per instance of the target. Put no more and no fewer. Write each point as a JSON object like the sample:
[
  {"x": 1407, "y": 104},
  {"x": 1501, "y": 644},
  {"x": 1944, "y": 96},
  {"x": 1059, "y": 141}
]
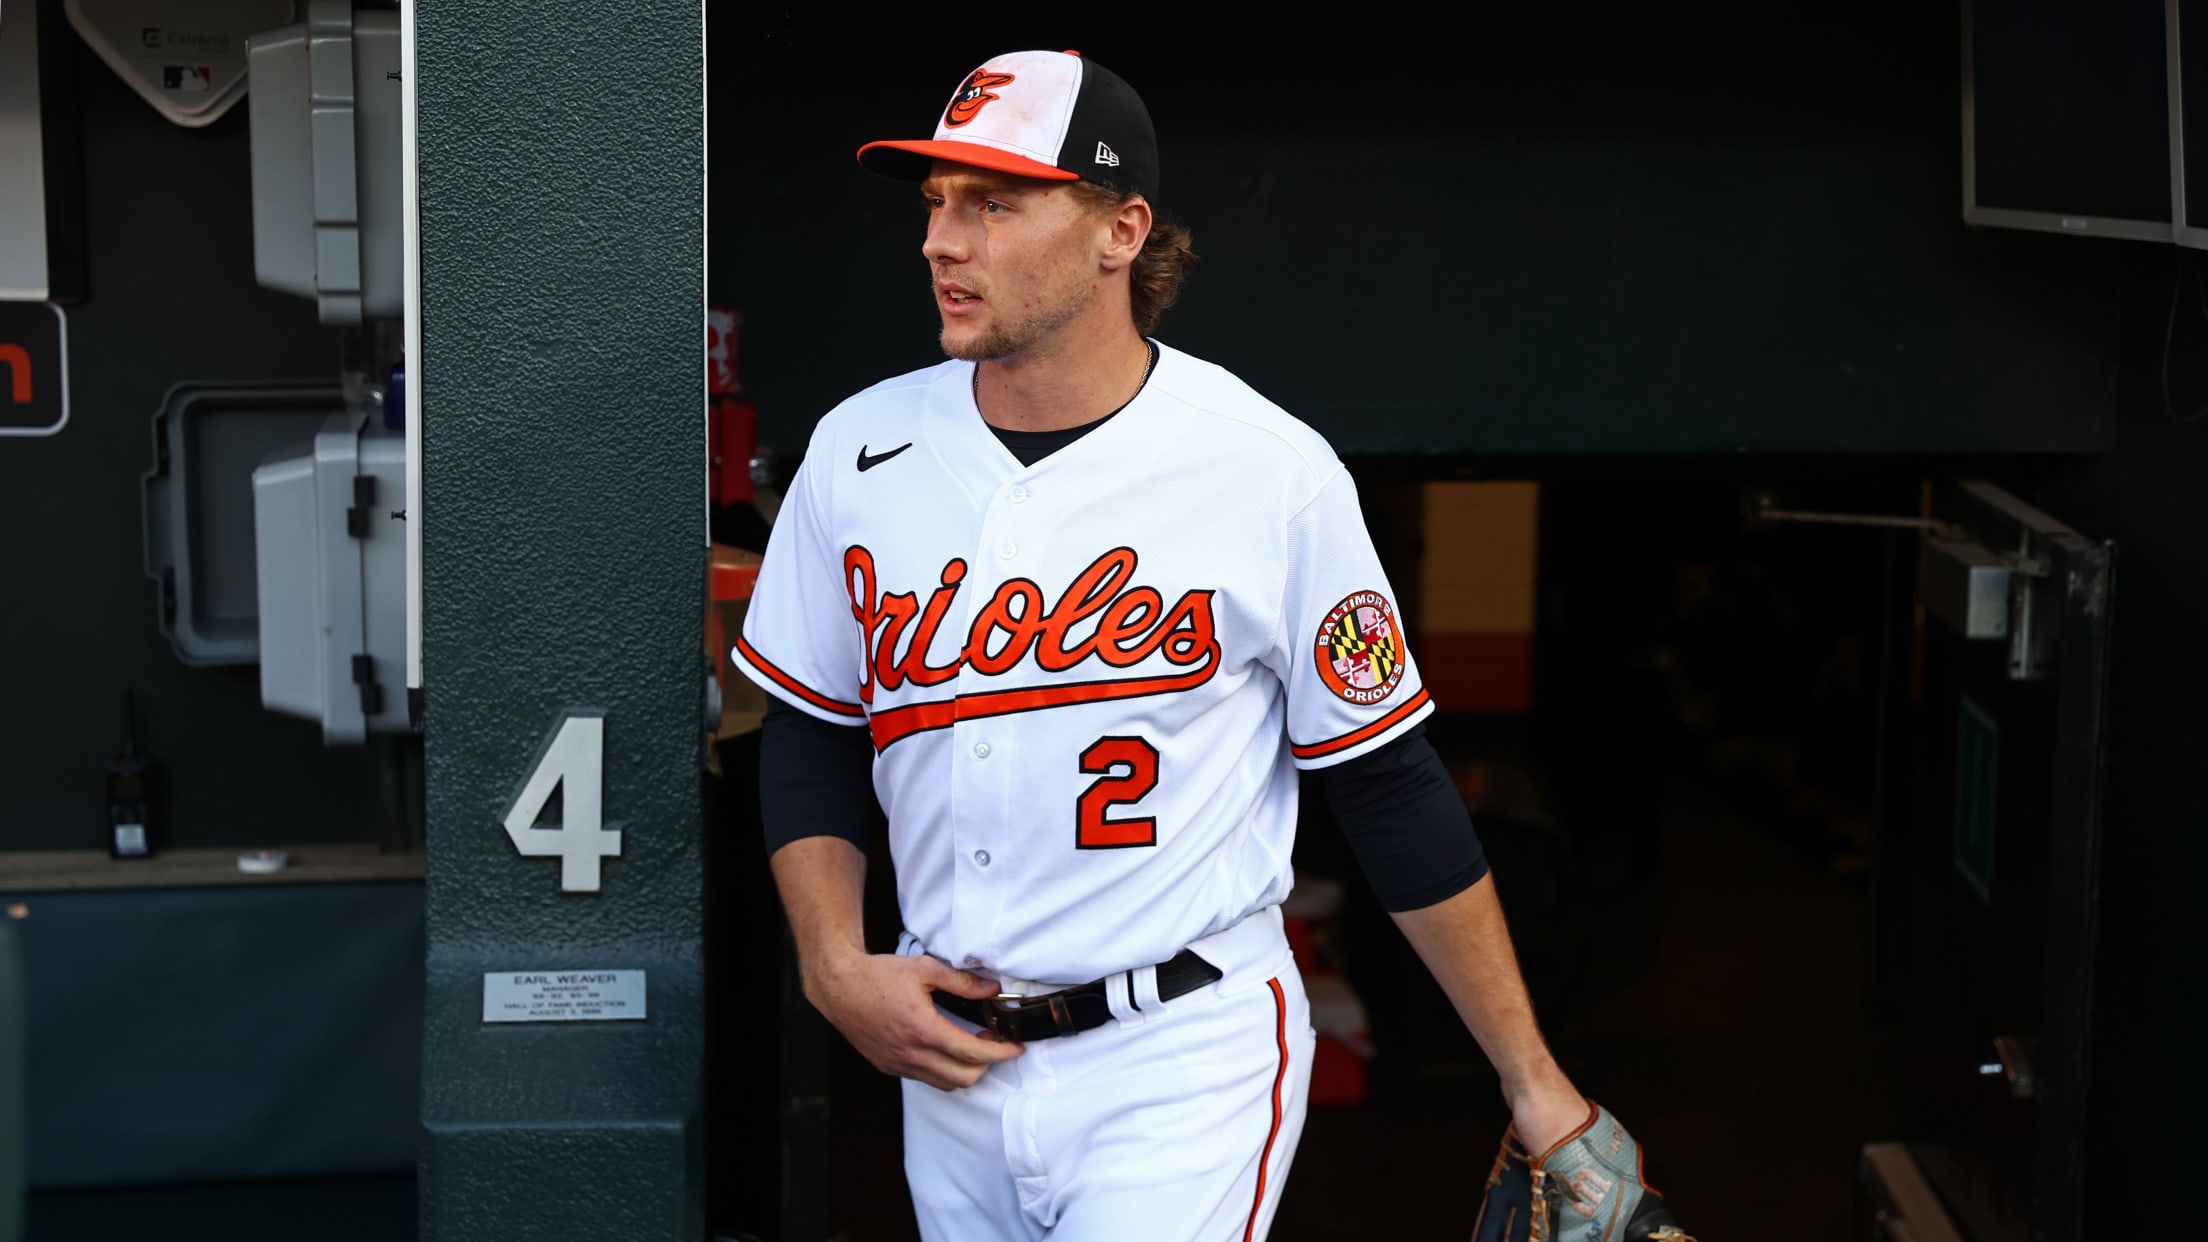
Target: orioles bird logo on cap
[{"x": 973, "y": 96}]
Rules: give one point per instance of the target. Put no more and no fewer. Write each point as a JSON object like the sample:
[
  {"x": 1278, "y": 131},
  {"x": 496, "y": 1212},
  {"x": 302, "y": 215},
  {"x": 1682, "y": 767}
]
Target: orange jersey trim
[
  {"x": 1280, "y": 1036},
  {"x": 794, "y": 686},
  {"x": 891, "y": 724},
  {"x": 1376, "y": 728}
]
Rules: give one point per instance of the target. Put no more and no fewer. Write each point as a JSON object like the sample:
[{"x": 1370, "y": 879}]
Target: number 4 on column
[{"x": 573, "y": 761}]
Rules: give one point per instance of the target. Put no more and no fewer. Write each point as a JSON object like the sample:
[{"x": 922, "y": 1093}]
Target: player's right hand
[{"x": 884, "y": 1005}]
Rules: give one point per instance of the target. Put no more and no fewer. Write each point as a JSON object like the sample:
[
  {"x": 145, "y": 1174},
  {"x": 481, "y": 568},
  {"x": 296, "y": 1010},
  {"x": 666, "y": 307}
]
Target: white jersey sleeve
[
  {"x": 800, "y": 642},
  {"x": 1352, "y": 686}
]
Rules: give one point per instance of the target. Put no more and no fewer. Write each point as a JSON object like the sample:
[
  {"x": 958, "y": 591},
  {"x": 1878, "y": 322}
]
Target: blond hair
[{"x": 1167, "y": 254}]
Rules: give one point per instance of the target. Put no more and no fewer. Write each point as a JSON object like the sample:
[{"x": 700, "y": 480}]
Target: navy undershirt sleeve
[
  {"x": 815, "y": 779},
  {"x": 1406, "y": 823}
]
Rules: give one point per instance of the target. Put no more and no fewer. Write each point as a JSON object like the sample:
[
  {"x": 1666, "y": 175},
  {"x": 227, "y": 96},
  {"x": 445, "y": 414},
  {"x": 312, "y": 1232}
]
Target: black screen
[
  {"x": 2192, "y": 47},
  {"x": 2072, "y": 107}
]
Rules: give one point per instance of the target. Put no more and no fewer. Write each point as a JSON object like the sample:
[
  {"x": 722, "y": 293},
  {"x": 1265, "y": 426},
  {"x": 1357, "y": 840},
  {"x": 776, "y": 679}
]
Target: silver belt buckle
[
  {"x": 1061, "y": 1015},
  {"x": 1001, "y": 1003}
]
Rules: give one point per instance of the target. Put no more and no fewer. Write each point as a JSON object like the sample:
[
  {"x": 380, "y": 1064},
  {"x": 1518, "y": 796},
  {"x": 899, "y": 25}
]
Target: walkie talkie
[{"x": 129, "y": 793}]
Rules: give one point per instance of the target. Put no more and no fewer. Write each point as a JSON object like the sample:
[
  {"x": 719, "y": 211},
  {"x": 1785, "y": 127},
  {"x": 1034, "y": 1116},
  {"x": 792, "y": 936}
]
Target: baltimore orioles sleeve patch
[
  {"x": 1360, "y": 657},
  {"x": 1360, "y": 649}
]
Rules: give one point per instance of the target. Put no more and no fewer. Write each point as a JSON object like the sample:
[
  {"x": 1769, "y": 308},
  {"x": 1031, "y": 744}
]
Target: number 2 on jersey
[{"x": 1107, "y": 758}]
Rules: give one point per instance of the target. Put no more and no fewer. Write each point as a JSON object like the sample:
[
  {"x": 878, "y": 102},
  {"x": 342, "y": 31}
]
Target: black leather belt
[{"x": 1025, "y": 1019}]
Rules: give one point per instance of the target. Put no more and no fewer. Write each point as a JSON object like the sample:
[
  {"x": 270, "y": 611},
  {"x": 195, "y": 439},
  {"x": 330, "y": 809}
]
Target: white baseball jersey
[{"x": 1089, "y": 681}]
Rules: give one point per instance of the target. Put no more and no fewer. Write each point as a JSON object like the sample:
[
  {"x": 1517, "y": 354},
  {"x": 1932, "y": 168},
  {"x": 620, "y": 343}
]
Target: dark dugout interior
[
  {"x": 1661, "y": 261},
  {"x": 199, "y": 1035}
]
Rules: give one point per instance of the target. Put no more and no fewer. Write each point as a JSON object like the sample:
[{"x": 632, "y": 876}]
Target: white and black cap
[{"x": 1053, "y": 115}]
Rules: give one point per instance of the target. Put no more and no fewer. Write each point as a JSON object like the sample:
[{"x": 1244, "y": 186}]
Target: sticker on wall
[
  {"x": 1977, "y": 788},
  {"x": 187, "y": 60},
  {"x": 34, "y": 369}
]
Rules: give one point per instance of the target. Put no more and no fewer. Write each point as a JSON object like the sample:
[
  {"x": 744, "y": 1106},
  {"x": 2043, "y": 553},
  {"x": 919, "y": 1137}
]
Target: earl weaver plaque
[{"x": 563, "y": 996}]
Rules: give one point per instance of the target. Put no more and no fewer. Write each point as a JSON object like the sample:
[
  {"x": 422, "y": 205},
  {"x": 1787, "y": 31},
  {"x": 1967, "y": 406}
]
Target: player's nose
[{"x": 946, "y": 241}]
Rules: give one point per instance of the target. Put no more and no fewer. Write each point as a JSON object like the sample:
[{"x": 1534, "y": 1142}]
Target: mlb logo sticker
[{"x": 189, "y": 79}]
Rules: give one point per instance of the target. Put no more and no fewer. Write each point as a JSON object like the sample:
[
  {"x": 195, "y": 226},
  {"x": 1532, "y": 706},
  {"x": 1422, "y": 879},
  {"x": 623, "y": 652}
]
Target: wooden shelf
[{"x": 28, "y": 871}]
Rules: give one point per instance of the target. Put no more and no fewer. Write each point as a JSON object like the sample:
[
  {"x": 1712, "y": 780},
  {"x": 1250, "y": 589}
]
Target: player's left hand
[{"x": 1585, "y": 1187}]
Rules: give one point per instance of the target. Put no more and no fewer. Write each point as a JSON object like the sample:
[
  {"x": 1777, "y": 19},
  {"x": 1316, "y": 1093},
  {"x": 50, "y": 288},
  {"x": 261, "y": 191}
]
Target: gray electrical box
[
  {"x": 327, "y": 161},
  {"x": 198, "y": 506},
  {"x": 331, "y": 553}
]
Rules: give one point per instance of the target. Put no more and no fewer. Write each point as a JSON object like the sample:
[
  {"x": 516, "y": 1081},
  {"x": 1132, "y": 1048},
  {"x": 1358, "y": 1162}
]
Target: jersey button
[
  {"x": 981, "y": 857},
  {"x": 981, "y": 750},
  {"x": 1018, "y": 495},
  {"x": 1008, "y": 549}
]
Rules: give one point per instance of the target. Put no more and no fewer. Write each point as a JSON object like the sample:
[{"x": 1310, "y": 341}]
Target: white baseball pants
[{"x": 1176, "y": 1122}]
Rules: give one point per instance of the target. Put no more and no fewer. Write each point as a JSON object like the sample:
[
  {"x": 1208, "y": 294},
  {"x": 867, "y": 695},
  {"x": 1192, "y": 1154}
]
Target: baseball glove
[{"x": 1587, "y": 1188}]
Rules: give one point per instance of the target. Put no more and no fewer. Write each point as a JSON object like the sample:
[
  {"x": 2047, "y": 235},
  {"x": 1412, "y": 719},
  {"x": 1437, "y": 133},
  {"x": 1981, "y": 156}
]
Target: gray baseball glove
[{"x": 1587, "y": 1188}]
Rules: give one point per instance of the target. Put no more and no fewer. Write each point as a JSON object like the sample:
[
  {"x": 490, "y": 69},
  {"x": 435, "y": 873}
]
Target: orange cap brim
[{"x": 911, "y": 159}]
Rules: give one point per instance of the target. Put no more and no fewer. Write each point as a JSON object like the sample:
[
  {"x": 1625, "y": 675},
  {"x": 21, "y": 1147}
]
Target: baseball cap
[{"x": 1053, "y": 115}]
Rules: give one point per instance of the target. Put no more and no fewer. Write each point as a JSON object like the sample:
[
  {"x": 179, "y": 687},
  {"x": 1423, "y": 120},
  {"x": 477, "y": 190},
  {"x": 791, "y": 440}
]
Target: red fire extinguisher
[{"x": 732, "y": 423}]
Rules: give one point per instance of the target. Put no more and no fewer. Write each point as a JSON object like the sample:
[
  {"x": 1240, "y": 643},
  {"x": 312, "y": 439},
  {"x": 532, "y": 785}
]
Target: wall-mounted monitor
[
  {"x": 23, "y": 251},
  {"x": 2067, "y": 116},
  {"x": 2188, "y": 70}
]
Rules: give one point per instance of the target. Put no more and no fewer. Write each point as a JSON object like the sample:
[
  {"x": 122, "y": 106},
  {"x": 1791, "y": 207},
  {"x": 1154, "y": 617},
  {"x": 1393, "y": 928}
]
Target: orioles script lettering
[{"x": 1019, "y": 623}]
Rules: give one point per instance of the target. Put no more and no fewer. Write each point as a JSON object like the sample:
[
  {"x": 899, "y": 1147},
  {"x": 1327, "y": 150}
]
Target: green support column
[{"x": 561, "y": 158}]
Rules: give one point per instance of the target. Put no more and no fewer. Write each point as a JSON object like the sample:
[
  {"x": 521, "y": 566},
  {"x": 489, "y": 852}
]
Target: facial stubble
[{"x": 1013, "y": 334}]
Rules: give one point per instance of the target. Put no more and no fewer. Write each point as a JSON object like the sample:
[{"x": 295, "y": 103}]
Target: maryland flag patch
[{"x": 1360, "y": 649}]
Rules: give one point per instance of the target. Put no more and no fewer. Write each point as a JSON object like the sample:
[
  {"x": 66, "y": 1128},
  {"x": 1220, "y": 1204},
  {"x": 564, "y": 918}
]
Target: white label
[
  {"x": 572, "y": 760},
  {"x": 563, "y": 996}
]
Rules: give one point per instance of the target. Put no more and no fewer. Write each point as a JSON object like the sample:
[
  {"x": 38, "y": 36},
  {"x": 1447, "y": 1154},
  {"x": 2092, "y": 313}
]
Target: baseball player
[{"x": 1075, "y": 608}]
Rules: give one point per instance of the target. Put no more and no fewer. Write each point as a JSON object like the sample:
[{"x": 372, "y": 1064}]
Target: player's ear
[{"x": 1127, "y": 226}]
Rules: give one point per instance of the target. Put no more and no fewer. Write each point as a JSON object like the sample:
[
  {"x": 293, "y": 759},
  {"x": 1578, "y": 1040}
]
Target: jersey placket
[{"x": 987, "y": 754}]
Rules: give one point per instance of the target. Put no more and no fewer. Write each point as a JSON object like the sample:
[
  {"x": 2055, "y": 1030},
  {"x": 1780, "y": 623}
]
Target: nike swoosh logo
[{"x": 868, "y": 463}]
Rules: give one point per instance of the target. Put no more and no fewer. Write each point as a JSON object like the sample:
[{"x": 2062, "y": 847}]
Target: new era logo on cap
[{"x": 1036, "y": 114}]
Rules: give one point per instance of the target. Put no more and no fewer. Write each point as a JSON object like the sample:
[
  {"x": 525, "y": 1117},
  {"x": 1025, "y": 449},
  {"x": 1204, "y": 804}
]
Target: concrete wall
[{"x": 563, "y": 568}]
